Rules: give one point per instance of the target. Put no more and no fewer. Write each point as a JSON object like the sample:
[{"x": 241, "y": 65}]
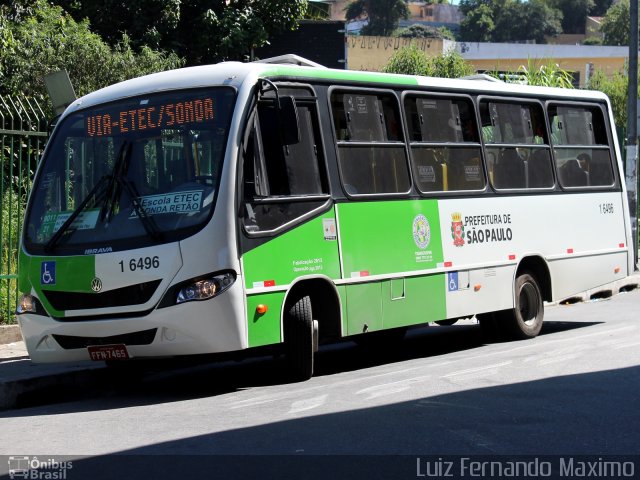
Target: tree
[
  {"x": 600, "y": 7},
  {"x": 424, "y": 31},
  {"x": 616, "y": 87},
  {"x": 383, "y": 15},
  {"x": 43, "y": 38},
  {"x": 411, "y": 60},
  {"x": 615, "y": 24},
  {"x": 478, "y": 25},
  {"x": 408, "y": 60},
  {"x": 146, "y": 22},
  {"x": 201, "y": 31},
  {"x": 508, "y": 20},
  {"x": 574, "y": 13}
]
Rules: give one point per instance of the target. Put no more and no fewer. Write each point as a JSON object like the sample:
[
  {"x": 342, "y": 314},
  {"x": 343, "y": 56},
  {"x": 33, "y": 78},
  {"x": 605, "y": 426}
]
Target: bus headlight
[
  {"x": 29, "y": 304},
  {"x": 26, "y": 304},
  {"x": 205, "y": 288}
]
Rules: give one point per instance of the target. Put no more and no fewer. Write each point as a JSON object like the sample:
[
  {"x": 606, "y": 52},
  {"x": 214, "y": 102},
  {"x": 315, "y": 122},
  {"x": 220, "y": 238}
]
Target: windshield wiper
[
  {"x": 65, "y": 226},
  {"x": 119, "y": 166},
  {"x": 147, "y": 222},
  {"x": 118, "y": 179}
]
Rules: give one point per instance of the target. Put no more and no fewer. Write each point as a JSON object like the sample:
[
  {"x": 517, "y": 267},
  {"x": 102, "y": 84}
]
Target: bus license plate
[{"x": 108, "y": 352}]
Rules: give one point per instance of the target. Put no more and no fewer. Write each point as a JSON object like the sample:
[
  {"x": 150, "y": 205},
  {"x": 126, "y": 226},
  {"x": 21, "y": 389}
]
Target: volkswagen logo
[{"x": 96, "y": 284}]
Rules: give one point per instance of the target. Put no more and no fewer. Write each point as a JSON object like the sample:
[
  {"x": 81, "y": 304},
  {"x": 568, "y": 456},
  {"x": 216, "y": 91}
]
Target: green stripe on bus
[
  {"x": 349, "y": 75},
  {"x": 305, "y": 250},
  {"x": 72, "y": 274},
  {"x": 264, "y": 329},
  {"x": 388, "y": 237}
]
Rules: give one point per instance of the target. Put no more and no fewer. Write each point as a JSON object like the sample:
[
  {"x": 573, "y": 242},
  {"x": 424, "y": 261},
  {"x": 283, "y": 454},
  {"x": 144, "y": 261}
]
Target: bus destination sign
[{"x": 166, "y": 115}]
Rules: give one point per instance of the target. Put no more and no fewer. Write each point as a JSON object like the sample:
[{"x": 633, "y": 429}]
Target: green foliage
[
  {"x": 478, "y": 24},
  {"x": 413, "y": 61},
  {"x": 615, "y": 24},
  {"x": 616, "y": 88},
  {"x": 200, "y": 31},
  {"x": 592, "y": 41},
  {"x": 574, "y": 13},
  {"x": 317, "y": 11},
  {"x": 11, "y": 212},
  {"x": 383, "y": 15},
  {"x": 508, "y": 20},
  {"x": 424, "y": 31},
  {"x": 600, "y": 7},
  {"x": 146, "y": 22},
  {"x": 46, "y": 39},
  {"x": 409, "y": 61},
  {"x": 450, "y": 65},
  {"x": 547, "y": 75}
]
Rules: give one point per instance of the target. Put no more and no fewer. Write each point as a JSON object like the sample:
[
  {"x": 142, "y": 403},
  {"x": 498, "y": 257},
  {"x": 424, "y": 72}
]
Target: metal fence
[{"x": 23, "y": 134}]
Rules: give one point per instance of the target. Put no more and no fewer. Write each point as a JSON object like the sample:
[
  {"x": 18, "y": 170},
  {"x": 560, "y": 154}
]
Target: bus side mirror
[{"x": 288, "y": 116}]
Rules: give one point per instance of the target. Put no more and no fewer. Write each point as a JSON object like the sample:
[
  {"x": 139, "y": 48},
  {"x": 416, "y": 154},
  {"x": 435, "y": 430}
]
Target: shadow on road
[
  {"x": 593, "y": 414},
  {"x": 161, "y": 383}
]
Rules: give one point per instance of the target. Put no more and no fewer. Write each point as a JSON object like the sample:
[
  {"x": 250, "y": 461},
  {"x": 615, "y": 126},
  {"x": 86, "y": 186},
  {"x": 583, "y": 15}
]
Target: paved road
[{"x": 574, "y": 390}]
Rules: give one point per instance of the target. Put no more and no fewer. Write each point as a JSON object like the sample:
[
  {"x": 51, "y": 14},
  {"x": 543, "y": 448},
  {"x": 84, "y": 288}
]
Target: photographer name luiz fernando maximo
[{"x": 562, "y": 467}]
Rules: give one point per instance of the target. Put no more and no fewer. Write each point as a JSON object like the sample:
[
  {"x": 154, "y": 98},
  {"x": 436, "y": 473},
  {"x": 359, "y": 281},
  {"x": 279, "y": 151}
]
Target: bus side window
[
  {"x": 371, "y": 153},
  {"x": 278, "y": 177},
  {"x": 518, "y": 151},
  {"x": 581, "y": 146},
  {"x": 445, "y": 146}
]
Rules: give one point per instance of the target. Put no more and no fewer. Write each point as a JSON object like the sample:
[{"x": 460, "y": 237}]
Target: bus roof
[{"x": 236, "y": 73}]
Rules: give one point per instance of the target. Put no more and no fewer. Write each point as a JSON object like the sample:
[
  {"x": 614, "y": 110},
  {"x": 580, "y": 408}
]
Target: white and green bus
[{"x": 229, "y": 207}]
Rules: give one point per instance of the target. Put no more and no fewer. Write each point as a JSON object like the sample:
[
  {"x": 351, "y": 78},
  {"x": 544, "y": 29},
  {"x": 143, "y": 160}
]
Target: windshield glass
[{"x": 129, "y": 174}]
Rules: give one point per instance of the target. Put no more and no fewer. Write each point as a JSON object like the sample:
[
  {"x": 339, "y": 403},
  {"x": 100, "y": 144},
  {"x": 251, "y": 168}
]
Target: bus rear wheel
[
  {"x": 301, "y": 339},
  {"x": 525, "y": 319}
]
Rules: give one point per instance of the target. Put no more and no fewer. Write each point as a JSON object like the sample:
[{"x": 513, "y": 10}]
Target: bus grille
[
  {"x": 131, "y": 295},
  {"x": 69, "y": 342}
]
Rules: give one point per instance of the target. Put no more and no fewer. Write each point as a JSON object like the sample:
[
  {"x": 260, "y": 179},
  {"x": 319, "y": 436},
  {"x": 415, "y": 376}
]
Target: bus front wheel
[
  {"x": 300, "y": 338},
  {"x": 525, "y": 319}
]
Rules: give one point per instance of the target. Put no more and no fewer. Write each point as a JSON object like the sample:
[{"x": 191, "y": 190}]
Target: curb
[
  {"x": 24, "y": 392},
  {"x": 10, "y": 334}
]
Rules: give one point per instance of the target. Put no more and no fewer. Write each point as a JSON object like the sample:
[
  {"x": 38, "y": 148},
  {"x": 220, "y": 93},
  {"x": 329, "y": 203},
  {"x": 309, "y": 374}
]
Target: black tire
[
  {"x": 525, "y": 319},
  {"x": 448, "y": 322},
  {"x": 300, "y": 335}
]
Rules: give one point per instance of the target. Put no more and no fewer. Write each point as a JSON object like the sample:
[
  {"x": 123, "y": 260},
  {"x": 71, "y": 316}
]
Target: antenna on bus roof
[{"x": 290, "y": 59}]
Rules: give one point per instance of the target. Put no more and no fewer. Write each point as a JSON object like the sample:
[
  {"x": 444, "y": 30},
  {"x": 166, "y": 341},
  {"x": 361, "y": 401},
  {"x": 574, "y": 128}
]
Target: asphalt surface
[{"x": 22, "y": 383}]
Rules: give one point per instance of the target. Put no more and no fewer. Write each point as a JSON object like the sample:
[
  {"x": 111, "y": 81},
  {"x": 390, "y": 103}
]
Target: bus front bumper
[{"x": 200, "y": 327}]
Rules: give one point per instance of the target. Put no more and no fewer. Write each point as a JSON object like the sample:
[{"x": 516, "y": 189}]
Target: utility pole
[{"x": 631, "y": 171}]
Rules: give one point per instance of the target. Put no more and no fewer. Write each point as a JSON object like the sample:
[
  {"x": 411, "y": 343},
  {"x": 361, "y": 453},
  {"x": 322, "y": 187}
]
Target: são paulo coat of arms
[{"x": 457, "y": 229}]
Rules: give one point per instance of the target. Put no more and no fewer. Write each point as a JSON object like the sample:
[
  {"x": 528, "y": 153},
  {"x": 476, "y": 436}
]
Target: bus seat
[
  {"x": 465, "y": 170},
  {"x": 539, "y": 170},
  {"x": 571, "y": 175},
  {"x": 428, "y": 170},
  {"x": 509, "y": 171},
  {"x": 600, "y": 171}
]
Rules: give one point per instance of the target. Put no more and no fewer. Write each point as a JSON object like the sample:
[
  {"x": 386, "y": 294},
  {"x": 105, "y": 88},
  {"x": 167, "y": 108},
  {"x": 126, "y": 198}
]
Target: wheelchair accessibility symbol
[
  {"x": 48, "y": 273},
  {"x": 452, "y": 281}
]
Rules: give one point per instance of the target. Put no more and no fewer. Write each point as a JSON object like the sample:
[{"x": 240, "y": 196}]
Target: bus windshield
[{"x": 132, "y": 173}]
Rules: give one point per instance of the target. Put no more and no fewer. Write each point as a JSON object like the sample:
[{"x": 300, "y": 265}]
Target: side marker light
[{"x": 262, "y": 309}]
